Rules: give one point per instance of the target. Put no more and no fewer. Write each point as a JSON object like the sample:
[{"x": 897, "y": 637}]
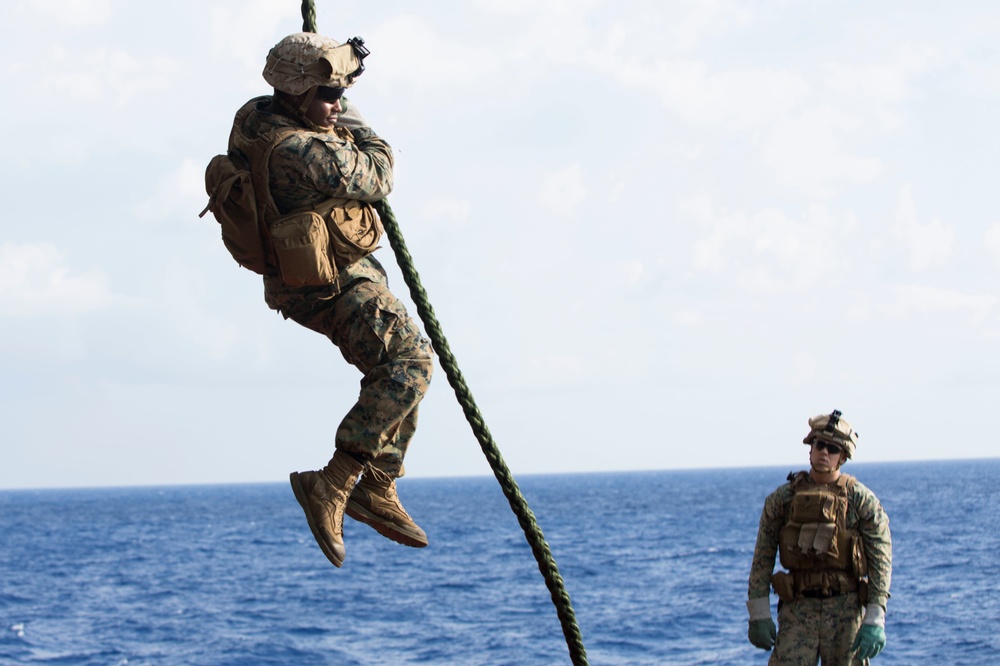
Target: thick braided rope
[
  {"x": 309, "y": 16},
  {"x": 533, "y": 533}
]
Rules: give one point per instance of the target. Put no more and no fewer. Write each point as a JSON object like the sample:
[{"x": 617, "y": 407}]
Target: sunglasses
[
  {"x": 832, "y": 449},
  {"x": 329, "y": 94}
]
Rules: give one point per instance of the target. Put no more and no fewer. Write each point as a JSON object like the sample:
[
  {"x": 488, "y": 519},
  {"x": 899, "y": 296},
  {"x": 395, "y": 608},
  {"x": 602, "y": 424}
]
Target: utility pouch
[
  {"x": 354, "y": 229},
  {"x": 301, "y": 243},
  {"x": 783, "y": 584},
  {"x": 813, "y": 507}
]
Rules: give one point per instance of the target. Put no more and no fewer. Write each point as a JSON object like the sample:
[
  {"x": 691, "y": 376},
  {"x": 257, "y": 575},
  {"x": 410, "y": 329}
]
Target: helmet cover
[
  {"x": 305, "y": 60},
  {"x": 833, "y": 429}
]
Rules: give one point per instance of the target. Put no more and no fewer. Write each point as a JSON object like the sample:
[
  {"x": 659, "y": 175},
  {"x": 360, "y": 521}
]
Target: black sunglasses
[
  {"x": 832, "y": 449},
  {"x": 329, "y": 94}
]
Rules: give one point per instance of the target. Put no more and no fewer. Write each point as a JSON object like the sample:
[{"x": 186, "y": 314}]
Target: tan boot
[
  {"x": 375, "y": 502},
  {"x": 323, "y": 496}
]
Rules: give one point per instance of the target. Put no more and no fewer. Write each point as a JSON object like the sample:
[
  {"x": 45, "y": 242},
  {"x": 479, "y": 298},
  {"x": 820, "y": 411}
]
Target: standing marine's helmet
[
  {"x": 834, "y": 429},
  {"x": 305, "y": 60}
]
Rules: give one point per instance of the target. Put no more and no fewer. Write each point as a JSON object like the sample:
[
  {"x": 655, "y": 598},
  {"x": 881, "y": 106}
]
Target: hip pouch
[
  {"x": 354, "y": 228},
  {"x": 783, "y": 584},
  {"x": 301, "y": 245}
]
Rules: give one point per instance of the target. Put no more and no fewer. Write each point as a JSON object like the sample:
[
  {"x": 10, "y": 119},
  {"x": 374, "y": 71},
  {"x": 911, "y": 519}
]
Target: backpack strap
[{"x": 254, "y": 155}]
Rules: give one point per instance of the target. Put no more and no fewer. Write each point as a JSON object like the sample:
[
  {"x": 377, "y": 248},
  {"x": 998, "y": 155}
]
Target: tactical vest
[
  {"x": 304, "y": 247},
  {"x": 815, "y": 545}
]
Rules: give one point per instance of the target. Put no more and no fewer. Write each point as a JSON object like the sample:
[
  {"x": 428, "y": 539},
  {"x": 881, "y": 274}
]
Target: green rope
[
  {"x": 309, "y": 16},
  {"x": 533, "y": 533},
  {"x": 546, "y": 563}
]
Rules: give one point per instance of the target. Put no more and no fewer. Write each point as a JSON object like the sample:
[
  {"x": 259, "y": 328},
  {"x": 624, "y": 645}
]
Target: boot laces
[
  {"x": 386, "y": 485},
  {"x": 378, "y": 477}
]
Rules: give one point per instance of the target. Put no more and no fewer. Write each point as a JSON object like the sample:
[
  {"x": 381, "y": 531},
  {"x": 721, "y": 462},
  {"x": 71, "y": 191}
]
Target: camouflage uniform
[
  {"x": 358, "y": 313},
  {"x": 822, "y": 629}
]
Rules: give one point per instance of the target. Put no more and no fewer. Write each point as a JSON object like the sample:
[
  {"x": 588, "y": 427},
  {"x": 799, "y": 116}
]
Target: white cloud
[
  {"x": 246, "y": 30},
  {"x": 553, "y": 30},
  {"x": 992, "y": 242},
  {"x": 803, "y": 132},
  {"x": 75, "y": 13},
  {"x": 453, "y": 212},
  {"x": 803, "y": 368},
  {"x": 565, "y": 30},
  {"x": 809, "y": 152},
  {"x": 736, "y": 99},
  {"x": 693, "y": 19},
  {"x": 179, "y": 195},
  {"x": 183, "y": 299},
  {"x": 914, "y": 299},
  {"x": 34, "y": 280},
  {"x": 552, "y": 370},
  {"x": 563, "y": 191},
  {"x": 412, "y": 52},
  {"x": 109, "y": 75},
  {"x": 878, "y": 88},
  {"x": 632, "y": 272},
  {"x": 690, "y": 318},
  {"x": 859, "y": 307},
  {"x": 768, "y": 251},
  {"x": 928, "y": 245}
]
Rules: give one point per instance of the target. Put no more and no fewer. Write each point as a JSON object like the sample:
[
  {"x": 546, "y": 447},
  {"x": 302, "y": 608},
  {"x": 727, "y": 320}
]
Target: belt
[{"x": 820, "y": 594}]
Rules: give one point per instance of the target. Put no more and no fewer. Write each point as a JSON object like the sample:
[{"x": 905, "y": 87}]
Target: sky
[{"x": 657, "y": 235}]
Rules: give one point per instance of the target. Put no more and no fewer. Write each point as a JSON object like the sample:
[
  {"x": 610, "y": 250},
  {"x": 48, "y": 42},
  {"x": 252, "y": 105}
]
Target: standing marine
[
  {"x": 832, "y": 539},
  {"x": 316, "y": 167}
]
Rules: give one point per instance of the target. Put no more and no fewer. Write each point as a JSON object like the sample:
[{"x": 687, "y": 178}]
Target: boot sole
[
  {"x": 383, "y": 527},
  {"x": 300, "y": 495}
]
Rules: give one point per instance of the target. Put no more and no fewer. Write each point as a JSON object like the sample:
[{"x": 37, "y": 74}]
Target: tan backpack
[{"x": 242, "y": 202}]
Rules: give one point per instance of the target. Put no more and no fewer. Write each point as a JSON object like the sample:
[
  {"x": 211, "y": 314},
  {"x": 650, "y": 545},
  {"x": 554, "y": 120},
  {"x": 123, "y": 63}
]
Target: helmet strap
[
  {"x": 307, "y": 100},
  {"x": 299, "y": 113}
]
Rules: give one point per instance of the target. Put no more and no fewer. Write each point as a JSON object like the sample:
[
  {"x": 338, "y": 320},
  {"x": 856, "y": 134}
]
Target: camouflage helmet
[
  {"x": 305, "y": 60},
  {"x": 834, "y": 429}
]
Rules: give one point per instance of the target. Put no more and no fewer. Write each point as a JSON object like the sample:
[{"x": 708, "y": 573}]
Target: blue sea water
[{"x": 655, "y": 564}]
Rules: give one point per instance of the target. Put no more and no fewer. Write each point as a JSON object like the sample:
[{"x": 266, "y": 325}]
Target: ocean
[{"x": 655, "y": 564}]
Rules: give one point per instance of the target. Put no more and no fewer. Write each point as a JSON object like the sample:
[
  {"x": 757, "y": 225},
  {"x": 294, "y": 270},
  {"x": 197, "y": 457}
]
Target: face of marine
[
  {"x": 825, "y": 460},
  {"x": 325, "y": 107}
]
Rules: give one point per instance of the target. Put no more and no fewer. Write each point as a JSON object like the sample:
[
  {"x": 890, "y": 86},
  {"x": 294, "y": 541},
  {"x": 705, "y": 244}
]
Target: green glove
[
  {"x": 761, "y": 633},
  {"x": 869, "y": 641}
]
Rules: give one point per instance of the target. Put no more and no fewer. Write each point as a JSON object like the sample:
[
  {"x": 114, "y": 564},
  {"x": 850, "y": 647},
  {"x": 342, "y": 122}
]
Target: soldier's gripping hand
[
  {"x": 761, "y": 631},
  {"x": 350, "y": 117}
]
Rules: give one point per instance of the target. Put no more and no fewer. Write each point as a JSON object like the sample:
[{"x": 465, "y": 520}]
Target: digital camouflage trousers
[
  {"x": 812, "y": 631},
  {"x": 375, "y": 334}
]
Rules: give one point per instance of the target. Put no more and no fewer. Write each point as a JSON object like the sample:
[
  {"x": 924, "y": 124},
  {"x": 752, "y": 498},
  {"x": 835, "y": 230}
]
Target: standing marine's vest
[
  {"x": 303, "y": 247},
  {"x": 815, "y": 545}
]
